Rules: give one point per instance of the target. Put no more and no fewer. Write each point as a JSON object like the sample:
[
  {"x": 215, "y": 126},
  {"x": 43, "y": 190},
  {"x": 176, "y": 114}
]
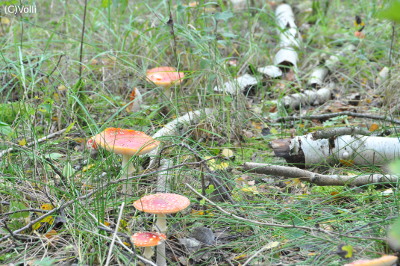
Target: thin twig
[
  {"x": 25, "y": 210},
  {"x": 256, "y": 254},
  {"x": 331, "y": 115},
  {"x": 306, "y": 228},
  {"x": 114, "y": 235},
  {"x": 34, "y": 142}
]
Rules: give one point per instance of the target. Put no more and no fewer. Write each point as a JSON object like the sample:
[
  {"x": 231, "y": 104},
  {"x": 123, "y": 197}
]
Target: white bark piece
[
  {"x": 238, "y": 85},
  {"x": 270, "y": 71},
  {"x": 318, "y": 179},
  {"x": 286, "y": 56},
  {"x": 382, "y": 76},
  {"x": 308, "y": 97},
  {"x": 284, "y": 16},
  {"x": 238, "y": 4},
  {"x": 317, "y": 77},
  {"x": 173, "y": 128},
  {"x": 361, "y": 150}
]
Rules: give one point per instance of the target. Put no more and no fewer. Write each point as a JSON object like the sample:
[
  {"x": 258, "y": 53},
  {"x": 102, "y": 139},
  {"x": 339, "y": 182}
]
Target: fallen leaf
[
  {"x": 22, "y": 142},
  {"x": 373, "y": 127}
]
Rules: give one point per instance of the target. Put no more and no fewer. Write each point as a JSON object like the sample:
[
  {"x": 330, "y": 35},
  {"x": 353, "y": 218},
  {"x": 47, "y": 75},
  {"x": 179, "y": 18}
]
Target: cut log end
[{"x": 281, "y": 148}]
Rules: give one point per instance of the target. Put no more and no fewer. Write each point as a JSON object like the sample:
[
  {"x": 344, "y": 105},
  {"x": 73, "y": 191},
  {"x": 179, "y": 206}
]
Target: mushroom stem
[
  {"x": 161, "y": 223},
  {"x": 127, "y": 170},
  {"x": 148, "y": 252}
]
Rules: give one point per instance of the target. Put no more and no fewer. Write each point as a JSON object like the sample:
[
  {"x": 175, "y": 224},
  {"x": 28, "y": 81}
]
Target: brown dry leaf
[
  {"x": 347, "y": 162},
  {"x": 373, "y": 127}
]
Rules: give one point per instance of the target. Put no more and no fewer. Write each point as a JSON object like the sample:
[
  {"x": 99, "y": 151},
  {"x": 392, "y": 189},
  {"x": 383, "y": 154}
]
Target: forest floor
[{"x": 57, "y": 92}]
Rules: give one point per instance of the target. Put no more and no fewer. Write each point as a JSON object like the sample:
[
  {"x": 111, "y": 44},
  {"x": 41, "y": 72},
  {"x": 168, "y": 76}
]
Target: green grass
[{"x": 39, "y": 71}]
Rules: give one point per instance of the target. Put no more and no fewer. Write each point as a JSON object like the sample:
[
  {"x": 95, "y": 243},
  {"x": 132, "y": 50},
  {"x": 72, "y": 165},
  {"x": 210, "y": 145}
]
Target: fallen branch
[
  {"x": 34, "y": 142},
  {"x": 318, "y": 179},
  {"x": 308, "y": 97},
  {"x": 331, "y": 115},
  {"x": 173, "y": 127},
  {"x": 305, "y": 228},
  {"x": 360, "y": 150}
]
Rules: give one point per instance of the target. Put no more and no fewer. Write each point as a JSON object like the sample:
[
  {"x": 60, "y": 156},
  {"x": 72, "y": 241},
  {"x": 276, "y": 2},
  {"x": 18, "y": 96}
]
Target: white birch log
[
  {"x": 173, "y": 128},
  {"x": 359, "y": 150},
  {"x": 308, "y": 97},
  {"x": 317, "y": 77},
  {"x": 238, "y": 85},
  {"x": 318, "y": 179},
  {"x": 286, "y": 56}
]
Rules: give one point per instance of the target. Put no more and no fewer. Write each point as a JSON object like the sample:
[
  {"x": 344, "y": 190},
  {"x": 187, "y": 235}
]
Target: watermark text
[{"x": 19, "y": 9}]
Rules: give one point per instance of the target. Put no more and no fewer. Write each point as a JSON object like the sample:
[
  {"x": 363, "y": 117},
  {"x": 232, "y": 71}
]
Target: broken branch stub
[{"x": 306, "y": 151}]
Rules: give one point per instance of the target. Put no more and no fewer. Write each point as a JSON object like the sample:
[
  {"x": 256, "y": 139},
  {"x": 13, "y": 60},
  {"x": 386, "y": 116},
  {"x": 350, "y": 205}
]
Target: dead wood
[{"x": 318, "y": 179}]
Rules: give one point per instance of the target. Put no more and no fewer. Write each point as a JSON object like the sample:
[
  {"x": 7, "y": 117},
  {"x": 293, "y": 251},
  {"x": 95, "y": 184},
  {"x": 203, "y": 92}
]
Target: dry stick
[
  {"x": 330, "y": 115},
  {"x": 319, "y": 179},
  {"x": 114, "y": 235},
  {"x": 306, "y": 228},
  {"x": 83, "y": 197},
  {"x": 256, "y": 254},
  {"x": 52, "y": 135}
]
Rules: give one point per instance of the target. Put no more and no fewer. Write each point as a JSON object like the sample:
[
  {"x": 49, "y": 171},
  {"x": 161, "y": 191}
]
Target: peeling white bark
[
  {"x": 238, "y": 85},
  {"x": 270, "y": 71},
  {"x": 359, "y": 150},
  {"x": 173, "y": 128}
]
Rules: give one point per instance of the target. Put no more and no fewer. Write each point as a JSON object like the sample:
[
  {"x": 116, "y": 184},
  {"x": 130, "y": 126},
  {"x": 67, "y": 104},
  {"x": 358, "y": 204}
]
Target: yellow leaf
[
  {"x": 36, "y": 226},
  {"x": 373, "y": 127},
  {"x": 68, "y": 129},
  {"x": 252, "y": 189},
  {"x": 22, "y": 142},
  {"x": 239, "y": 257},
  {"x": 345, "y": 251},
  {"x": 227, "y": 153},
  {"x": 48, "y": 219},
  {"x": 47, "y": 207},
  {"x": 62, "y": 88},
  {"x": 88, "y": 167},
  {"x": 126, "y": 244},
  {"x": 5, "y": 21},
  {"x": 56, "y": 97},
  {"x": 273, "y": 131}
]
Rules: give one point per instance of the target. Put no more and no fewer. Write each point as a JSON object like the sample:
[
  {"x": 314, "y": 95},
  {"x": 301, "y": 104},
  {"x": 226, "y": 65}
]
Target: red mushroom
[
  {"x": 165, "y": 77},
  {"x": 148, "y": 240},
  {"x": 162, "y": 204},
  {"x": 126, "y": 142}
]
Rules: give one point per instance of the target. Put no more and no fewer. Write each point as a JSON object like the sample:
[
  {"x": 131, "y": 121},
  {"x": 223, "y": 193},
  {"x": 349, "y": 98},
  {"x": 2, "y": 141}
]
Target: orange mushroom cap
[
  {"x": 162, "y": 203},
  {"x": 385, "y": 260},
  {"x": 164, "y": 76},
  {"x": 147, "y": 239},
  {"x": 124, "y": 141}
]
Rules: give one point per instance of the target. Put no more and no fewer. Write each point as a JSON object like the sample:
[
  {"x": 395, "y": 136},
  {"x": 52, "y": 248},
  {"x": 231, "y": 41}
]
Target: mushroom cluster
[{"x": 162, "y": 204}]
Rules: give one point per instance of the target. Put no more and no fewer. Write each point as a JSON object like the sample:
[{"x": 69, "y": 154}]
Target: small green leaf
[
  {"x": 53, "y": 155},
  {"x": 5, "y": 129},
  {"x": 392, "y": 12},
  {"x": 67, "y": 170},
  {"x": 17, "y": 206}
]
